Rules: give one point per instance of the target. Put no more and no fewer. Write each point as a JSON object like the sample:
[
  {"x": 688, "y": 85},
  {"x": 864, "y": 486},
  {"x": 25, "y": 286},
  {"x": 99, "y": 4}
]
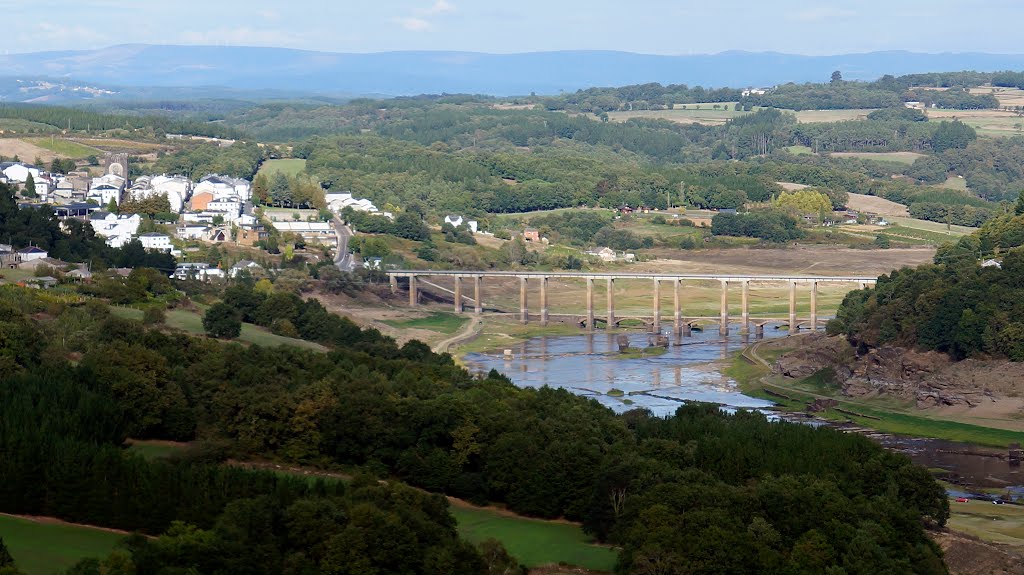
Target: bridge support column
[
  {"x": 656, "y": 324},
  {"x": 544, "y": 301},
  {"x": 414, "y": 294},
  {"x": 863, "y": 285},
  {"x": 524, "y": 312},
  {"x": 677, "y": 307},
  {"x": 458, "y": 294},
  {"x": 792, "y": 308},
  {"x": 394, "y": 284},
  {"x": 590, "y": 304},
  {"x": 746, "y": 307},
  {"x": 477, "y": 302},
  {"x": 814, "y": 306},
  {"x": 723, "y": 326},
  {"x": 611, "y": 303},
  {"x": 759, "y": 331}
]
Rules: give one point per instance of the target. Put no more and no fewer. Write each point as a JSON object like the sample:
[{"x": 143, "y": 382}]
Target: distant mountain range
[{"x": 287, "y": 71}]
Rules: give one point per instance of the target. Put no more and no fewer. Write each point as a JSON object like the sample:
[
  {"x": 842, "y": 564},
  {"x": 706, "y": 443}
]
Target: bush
[
  {"x": 154, "y": 315},
  {"x": 222, "y": 321}
]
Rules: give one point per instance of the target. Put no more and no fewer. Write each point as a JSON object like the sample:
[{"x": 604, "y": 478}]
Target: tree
[
  {"x": 1019, "y": 208},
  {"x": 837, "y": 77},
  {"x": 222, "y": 321},
  {"x": 6, "y": 560},
  {"x": 112, "y": 206},
  {"x": 30, "y": 186},
  {"x": 281, "y": 190}
]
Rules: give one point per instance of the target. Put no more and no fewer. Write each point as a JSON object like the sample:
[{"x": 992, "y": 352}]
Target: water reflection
[{"x": 588, "y": 365}]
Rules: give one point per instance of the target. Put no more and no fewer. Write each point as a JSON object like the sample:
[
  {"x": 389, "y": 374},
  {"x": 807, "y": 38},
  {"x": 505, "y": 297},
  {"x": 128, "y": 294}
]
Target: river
[{"x": 690, "y": 370}]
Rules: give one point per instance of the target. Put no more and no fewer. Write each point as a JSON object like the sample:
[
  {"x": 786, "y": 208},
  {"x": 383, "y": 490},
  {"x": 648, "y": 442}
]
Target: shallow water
[{"x": 587, "y": 365}]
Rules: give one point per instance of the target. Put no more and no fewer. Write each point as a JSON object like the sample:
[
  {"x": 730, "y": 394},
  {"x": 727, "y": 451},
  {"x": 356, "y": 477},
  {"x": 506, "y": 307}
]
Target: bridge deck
[{"x": 629, "y": 276}]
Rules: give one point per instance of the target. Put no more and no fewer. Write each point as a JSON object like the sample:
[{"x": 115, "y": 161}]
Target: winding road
[{"x": 343, "y": 259}]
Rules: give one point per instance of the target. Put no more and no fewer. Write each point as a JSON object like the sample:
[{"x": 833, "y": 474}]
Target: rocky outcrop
[{"x": 931, "y": 379}]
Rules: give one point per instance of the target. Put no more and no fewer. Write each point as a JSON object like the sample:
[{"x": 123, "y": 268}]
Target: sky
[{"x": 675, "y": 27}]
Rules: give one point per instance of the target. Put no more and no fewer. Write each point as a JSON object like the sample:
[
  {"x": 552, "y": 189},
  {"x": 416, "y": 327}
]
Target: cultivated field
[
  {"x": 707, "y": 114},
  {"x": 288, "y": 167},
  {"x": 1006, "y": 96},
  {"x": 809, "y": 116},
  {"x": 893, "y": 157},
  {"x": 66, "y": 148},
  {"x": 875, "y": 205},
  {"x": 986, "y": 122},
  {"x": 26, "y": 152},
  {"x": 45, "y": 547}
]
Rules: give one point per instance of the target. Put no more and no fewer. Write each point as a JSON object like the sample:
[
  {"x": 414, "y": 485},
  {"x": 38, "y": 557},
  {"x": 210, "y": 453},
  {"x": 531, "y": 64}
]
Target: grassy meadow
[
  {"x": 66, "y": 148},
  {"x": 192, "y": 323},
  {"x": 46, "y": 549},
  {"x": 441, "y": 322},
  {"x": 290, "y": 167},
  {"x": 534, "y": 542}
]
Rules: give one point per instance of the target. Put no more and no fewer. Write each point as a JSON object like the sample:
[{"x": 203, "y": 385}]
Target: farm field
[
  {"x": 446, "y": 323},
  {"x": 118, "y": 145},
  {"x": 1006, "y": 96},
  {"x": 534, "y": 542},
  {"x": 25, "y": 151},
  {"x": 19, "y": 126},
  {"x": 936, "y": 227},
  {"x": 809, "y": 116},
  {"x": 986, "y": 122},
  {"x": 705, "y": 114},
  {"x": 66, "y": 148},
  {"x": 954, "y": 183},
  {"x": 46, "y": 548},
  {"x": 288, "y": 167},
  {"x": 892, "y": 157},
  {"x": 1002, "y": 524},
  {"x": 876, "y": 205}
]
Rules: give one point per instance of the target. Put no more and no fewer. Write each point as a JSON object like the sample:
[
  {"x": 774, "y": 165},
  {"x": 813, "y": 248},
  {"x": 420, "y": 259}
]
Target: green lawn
[
  {"x": 66, "y": 148},
  {"x": 1001, "y": 524},
  {"x": 533, "y": 542},
  {"x": 289, "y": 167},
  {"x": 44, "y": 549},
  {"x": 192, "y": 322},
  {"x": 937, "y": 227},
  {"x": 800, "y": 150},
  {"x": 446, "y": 323}
]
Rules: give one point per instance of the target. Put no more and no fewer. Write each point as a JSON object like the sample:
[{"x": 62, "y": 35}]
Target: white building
[
  {"x": 118, "y": 229},
  {"x": 224, "y": 187},
  {"x": 17, "y": 173},
  {"x": 320, "y": 232},
  {"x": 337, "y": 201},
  {"x": 199, "y": 271},
  {"x": 244, "y": 265},
  {"x": 191, "y": 231},
  {"x": 32, "y": 253},
  {"x": 230, "y": 208},
  {"x": 177, "y": 189},
  {"x": 106, "y": 188},
  {"x": 156, "y": 241}
]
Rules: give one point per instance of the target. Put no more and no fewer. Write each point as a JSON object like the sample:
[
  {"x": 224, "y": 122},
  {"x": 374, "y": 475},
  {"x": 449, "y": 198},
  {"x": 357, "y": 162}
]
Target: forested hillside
[
  {"x": 704, "y": 491},
  {"x": 955, "y": 306}
]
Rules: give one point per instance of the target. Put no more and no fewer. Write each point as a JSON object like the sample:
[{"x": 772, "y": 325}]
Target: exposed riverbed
[{"x": 690, "y": 370}]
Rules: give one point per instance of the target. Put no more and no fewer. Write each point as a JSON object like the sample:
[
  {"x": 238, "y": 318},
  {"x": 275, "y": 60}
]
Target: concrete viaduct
[{"x": 676, "y": 281}]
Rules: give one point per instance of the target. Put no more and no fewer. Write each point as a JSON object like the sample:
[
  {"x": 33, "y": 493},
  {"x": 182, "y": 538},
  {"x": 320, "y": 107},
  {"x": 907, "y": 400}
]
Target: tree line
[{"x": 699, "y": 490}]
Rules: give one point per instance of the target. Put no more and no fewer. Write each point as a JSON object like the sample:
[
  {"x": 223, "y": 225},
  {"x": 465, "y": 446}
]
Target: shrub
[
  {"x": 222, "y": 321},
  {"x": 154, "y": 315}
]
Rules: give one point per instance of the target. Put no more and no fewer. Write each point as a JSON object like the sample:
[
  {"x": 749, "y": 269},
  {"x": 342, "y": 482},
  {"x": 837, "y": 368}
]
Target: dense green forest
[
  {"x": 955, "y": 305},
  {"x": 81, "y": 120},
  {"x": 703, "y": 490}
]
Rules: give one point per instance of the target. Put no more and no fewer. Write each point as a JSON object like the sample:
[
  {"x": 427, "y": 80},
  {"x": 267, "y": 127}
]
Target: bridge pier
[
  {"x": 590, "y": 304},
  {"x": 524, "y": 313},
  {"x": 656, "y": 324},
  {"x": 611, "y": 304},
  {"x": 479, "y": 309},
  {"x": 677, "y": 311},
  {"x": 687, "y": 329},
  {"x": 394, "y": 284},
  {"x": 723, "y": 326},
  {"x": 758, "y": 331},
  {"x": 414, "y": 295},
  {"x": 544, "y": 301},
  {"x": 814, "y": 306},
  {"x": 792, "y": 308},
  {"x": 458, "y": 294},
  {"x": 745, "y": 308}
]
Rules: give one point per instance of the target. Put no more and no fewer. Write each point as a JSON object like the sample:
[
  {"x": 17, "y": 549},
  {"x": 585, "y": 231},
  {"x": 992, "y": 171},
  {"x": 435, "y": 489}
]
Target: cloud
[
  {"x": 439, "y": 7},
  {"x": 414, "y": 24},
  {"x": 822, "y": 13},
  {"x": 269, "y": 15}
]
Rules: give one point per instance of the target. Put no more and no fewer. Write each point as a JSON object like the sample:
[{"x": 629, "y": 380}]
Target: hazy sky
[{"x": 648, "y": 26}]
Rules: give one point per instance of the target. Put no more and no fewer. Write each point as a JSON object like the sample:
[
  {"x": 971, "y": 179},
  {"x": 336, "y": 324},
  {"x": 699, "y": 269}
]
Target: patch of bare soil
[
  {"x": 25, "y": 151},
  {"x": 985, "y": 392},
  {"x": 374, "y": 306},
  {"x": 966, "y": 555},
  {"x": 811, "y": 260},
  {"x": 865, "y": 203}
]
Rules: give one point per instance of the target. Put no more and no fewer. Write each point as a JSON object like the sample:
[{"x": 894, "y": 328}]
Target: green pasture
[
  {"x": 47, "y": 549},
  {"x": 67, "y": 148},
  {"x": 535, "y": 542},
  {"x": 290, "y": 167},
  {"x": 192, "y": 323}
]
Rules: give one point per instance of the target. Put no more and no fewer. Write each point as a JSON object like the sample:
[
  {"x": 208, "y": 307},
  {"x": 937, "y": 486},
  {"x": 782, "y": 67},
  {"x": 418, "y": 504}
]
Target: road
[{"x": 343, "y": 258}]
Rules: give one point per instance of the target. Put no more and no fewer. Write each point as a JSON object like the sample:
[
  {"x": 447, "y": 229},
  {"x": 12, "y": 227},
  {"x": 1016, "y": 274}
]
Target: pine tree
[
  {"x": 5, "y": 556},
  {"x": 30, "y": 186}
]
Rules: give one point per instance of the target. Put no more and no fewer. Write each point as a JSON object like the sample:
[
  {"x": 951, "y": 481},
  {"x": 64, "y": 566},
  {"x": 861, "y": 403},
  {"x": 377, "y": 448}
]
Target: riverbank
[{"x": 751, "y": 370}]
